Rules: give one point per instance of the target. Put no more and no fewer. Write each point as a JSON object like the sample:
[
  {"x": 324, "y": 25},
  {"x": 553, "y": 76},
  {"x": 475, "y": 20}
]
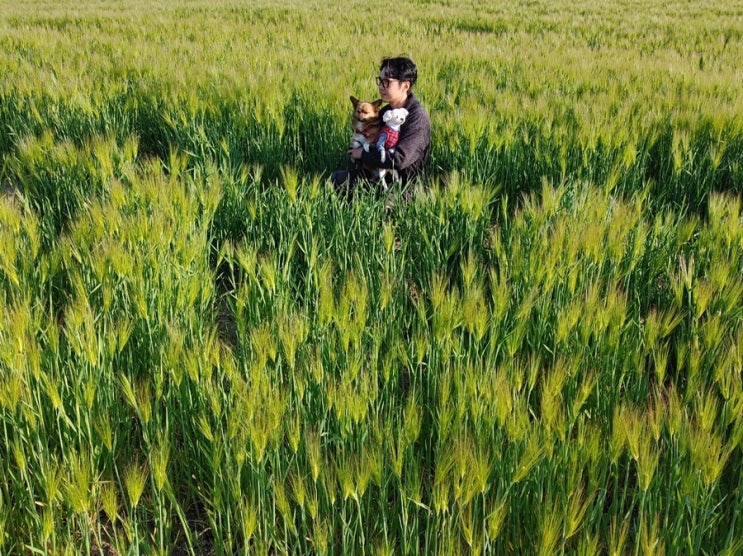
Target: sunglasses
[{"x": 385, "y": 81}]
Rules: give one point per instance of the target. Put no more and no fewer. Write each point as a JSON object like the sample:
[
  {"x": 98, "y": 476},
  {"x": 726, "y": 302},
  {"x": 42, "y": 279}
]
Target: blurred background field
[{"x": 203, "y": 350}]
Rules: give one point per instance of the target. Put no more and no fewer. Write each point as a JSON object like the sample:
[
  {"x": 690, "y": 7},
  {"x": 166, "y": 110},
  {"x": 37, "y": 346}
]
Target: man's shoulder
[
  {"x": 418, "y": 117},
  {"x": 415, "y": 109},
  {"x": 414, "y": 104}
]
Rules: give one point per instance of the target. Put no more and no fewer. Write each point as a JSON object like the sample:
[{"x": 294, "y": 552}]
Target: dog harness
[{"x": 368, "y": 131}]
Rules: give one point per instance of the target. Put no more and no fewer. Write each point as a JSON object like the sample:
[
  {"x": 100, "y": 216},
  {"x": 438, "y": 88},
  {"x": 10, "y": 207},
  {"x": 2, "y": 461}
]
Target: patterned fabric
[{"x": 392, "y": 137}]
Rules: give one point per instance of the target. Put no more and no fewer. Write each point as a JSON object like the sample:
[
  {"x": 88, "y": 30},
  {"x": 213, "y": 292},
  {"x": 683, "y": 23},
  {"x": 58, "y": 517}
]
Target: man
[{"x": 396, "y": 79}]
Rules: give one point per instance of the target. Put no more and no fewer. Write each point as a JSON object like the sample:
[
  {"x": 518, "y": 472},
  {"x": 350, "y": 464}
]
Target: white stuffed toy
[{"x": 389, "y": 134}]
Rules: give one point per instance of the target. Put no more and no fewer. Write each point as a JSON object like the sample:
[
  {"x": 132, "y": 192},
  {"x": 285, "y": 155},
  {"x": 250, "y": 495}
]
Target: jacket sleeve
[{"x": 411, "y": 146}]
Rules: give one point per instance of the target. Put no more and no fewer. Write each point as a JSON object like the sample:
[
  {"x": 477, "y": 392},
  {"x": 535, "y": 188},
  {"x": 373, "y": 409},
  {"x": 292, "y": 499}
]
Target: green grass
[{"x": 204, "y": 349}]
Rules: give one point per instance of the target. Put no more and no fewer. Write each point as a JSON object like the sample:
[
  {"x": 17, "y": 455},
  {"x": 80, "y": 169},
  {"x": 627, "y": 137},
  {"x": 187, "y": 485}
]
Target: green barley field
[{"x": 203, "y": 350}]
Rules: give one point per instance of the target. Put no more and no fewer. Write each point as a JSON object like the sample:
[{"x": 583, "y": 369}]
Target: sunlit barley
[
  {"x": 475, "y": 311},
  {"x": 298, "y": 489},
  {"x": 618, "y": 533},
  {"x": 647, "y": 461},
  {"x": 532, "y": 455},
  {"x": 109, "y": 501},
  {"x": 650, "y": 540},
  {"x": 708, "y": 452},
  {"x": 550, "y": 525},
  {"x": 159, "y": 458},
  {"x": 281, "y": 502},
  {"x": 80, "y": 484},
  {"x": 135, "y": 480},
  {"x": 293, "y": 330},
  {"x": 321, "y": 536},
  {"x": 248, "y": 512}
]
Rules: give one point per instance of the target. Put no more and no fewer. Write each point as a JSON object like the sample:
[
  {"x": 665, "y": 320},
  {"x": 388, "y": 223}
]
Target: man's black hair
[{"x": 400, "y": 68}]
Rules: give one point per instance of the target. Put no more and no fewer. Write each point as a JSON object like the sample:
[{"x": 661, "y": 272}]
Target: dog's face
[
  {"x": 396, "y": 117},
  {"x": 365, "y": 112}
]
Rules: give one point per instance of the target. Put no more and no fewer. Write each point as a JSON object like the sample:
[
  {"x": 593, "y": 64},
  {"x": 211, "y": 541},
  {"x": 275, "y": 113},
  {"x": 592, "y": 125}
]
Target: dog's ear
[
  {"x": 354, "y": 101},
  {"x": 377, "y": 103}
]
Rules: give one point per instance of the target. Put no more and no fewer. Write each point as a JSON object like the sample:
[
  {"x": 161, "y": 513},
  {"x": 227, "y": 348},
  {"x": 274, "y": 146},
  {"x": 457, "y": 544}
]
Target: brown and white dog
[{"x": 366, "y": 122}]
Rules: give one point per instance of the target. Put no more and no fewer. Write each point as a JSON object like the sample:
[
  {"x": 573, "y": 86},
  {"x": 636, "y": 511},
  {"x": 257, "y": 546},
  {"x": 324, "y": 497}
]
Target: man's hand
[{"x": 356, "y": 153}]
